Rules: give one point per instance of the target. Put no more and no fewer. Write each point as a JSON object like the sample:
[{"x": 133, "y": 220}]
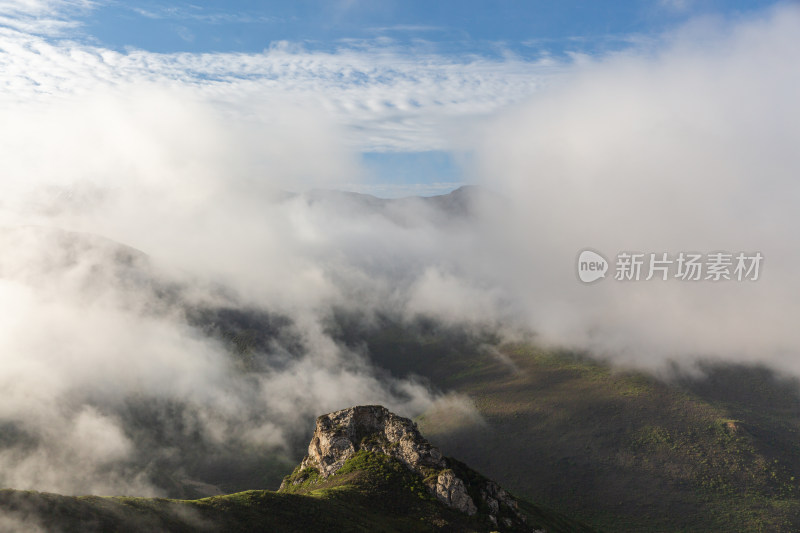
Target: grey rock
[
  {"x": 451, "y": 491},
  {"x": 338, "y": 436}
]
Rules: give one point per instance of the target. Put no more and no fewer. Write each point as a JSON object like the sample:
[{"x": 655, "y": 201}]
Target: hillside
[
  {"x": 620, "y": 450},
  {"x": 713, "y": 450},
  {"x": 373, "y": 485}
]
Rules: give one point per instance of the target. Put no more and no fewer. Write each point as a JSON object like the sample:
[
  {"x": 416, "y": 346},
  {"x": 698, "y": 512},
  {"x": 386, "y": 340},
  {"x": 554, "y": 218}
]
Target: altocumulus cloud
[
  {"x": 387, "y": 97},
  {"x": 42, "y": 17}
]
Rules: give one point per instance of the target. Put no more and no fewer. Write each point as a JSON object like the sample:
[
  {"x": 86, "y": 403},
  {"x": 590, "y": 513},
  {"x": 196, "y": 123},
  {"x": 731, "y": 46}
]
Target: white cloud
[
  {"x": 82, "y": 341},
  {"x": 201, "y": 14},
  {"x": 42, "y": 17},
  {"x": 691, "y": 148},
  {"x": 388, "y": 98},
  {"x": 676, "y": 5}
]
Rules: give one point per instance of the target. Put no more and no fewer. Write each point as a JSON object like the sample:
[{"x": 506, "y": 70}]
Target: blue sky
[
  {"x": 467, "y": 26},
  {"x": 399, "y": 76}
]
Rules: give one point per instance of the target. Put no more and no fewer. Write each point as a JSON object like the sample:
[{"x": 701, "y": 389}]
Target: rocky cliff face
[{"x": 340, "y": 435}]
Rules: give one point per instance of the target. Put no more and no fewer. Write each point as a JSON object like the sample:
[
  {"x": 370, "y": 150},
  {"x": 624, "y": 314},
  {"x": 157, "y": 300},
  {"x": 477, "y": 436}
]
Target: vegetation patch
[
  {"x": 300, "y": 479},
  {"x": 391, "y": 471}
]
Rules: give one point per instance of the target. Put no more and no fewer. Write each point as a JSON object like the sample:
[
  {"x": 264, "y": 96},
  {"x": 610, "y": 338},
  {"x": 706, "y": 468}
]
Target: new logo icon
[{"x": 591, "y": 266}]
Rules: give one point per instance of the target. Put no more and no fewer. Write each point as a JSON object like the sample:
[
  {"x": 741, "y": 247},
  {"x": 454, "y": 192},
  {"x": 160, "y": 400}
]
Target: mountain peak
[{"x": 341, "y": 435}]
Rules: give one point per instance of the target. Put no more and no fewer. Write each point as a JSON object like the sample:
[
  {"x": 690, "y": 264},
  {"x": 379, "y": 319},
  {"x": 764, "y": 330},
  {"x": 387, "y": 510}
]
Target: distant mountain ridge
[{"x": 464, "y": 203}]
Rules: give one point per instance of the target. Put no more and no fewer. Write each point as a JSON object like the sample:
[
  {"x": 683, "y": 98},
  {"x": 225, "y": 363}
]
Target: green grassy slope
[
  {"x": 371, "y": 493},
  {"x": 621, "y": 451}
]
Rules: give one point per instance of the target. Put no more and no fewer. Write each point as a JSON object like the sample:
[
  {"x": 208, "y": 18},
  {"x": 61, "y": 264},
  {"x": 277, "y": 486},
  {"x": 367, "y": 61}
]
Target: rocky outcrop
[
  {"x": 340, "y": 435},
  {"x": 451, "y": 490}
]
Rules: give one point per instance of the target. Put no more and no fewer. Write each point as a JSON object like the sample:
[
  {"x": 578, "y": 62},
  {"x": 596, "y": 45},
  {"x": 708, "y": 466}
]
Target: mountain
[
  {"x": 459, "y": 206},
  {"x": 713, "y": 450},
  {"x": 367, "y": 469},
  {"x": 377, "y": 439}
]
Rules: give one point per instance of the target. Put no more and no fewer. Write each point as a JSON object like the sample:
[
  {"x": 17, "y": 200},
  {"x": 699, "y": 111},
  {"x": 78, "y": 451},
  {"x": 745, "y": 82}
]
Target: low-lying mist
[
  {"x": 687, "y": 146},
  {"x": 166, "y": 318}
]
